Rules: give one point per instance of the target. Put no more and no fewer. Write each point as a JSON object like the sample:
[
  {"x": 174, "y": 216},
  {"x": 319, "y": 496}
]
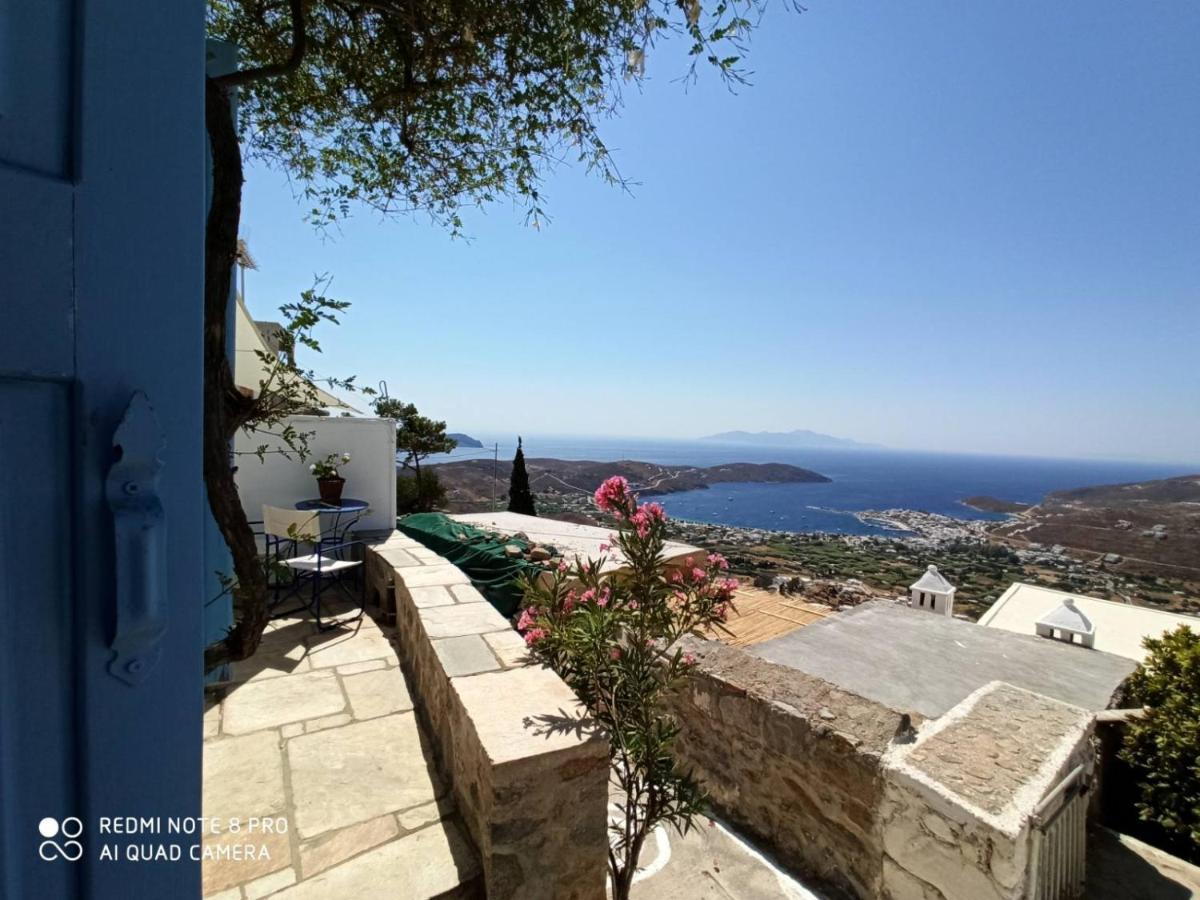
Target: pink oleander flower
[
  {"x": 646, "y": 515},
  {"x": 603, "y": 597},
  {"x": 721, "y": 610},
  {"x": 729, "y": 585},
  {"x": 633, "y": 604},
  {"x": 689, "y": 659},
  {"x": 570, "y": 601},
  {"x": 614, "y": 653},
  {"x": 605, "y": 547},
  {"x": 676, "y": 577},
  {"x": 716, "y": 559},
  {"x": 588, "y": 596},
  {"x": 534, "y": 635},
  {"x": 527, "y": 620},
  {"x": 698, "y": 574},
  {"x": 613, "y": 496},
  {"x": 562, "y": 566}
]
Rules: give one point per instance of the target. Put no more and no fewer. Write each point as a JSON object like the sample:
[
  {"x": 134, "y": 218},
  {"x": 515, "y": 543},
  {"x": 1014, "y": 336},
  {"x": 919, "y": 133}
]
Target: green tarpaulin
[{"x": 478, "y": 553}]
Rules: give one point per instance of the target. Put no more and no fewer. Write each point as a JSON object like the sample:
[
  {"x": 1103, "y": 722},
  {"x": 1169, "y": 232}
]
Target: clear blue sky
[{"x": 931, "y": 225}]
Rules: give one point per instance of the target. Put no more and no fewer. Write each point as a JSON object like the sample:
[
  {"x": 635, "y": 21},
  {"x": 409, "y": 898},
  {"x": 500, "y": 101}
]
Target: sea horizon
[{"x": 861, "y": 479}]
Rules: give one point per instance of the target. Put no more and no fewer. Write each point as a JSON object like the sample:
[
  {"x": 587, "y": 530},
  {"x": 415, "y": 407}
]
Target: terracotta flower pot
[{"x": 331, "y": 489}]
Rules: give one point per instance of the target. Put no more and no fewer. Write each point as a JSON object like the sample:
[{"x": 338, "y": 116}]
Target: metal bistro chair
[{"x": 285, "y": 531}]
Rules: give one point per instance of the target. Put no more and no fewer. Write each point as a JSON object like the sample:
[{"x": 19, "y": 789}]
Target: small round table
[{"x": 347, "y": 506}]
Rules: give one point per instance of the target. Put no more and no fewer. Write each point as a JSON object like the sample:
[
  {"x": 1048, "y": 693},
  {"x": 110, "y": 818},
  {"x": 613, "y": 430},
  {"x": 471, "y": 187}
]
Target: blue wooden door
[{"x": 101, "y": 242}]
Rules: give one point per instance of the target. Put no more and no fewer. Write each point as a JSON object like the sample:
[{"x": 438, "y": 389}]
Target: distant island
[
  {"x": 801, "y": 437},
  {"x": 464, "y": 440},
  {"x": 983, "y": 503},
  {"x": 469, "y": 483}
]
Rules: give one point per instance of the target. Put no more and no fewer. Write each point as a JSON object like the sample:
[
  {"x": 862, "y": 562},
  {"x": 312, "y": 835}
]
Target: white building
[
  {"x": 932, "y": 592},
  {"x": 1103, "y": 624}
]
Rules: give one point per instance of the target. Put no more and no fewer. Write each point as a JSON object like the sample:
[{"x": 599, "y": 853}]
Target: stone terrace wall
[
  {"x": 956, "y": 813},
  {"x": 529, "y": 774},
  {"x": 791, "y": 760}
]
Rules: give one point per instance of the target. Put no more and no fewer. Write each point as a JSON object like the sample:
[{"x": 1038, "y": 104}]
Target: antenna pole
[{"x": 495, "y": 471}]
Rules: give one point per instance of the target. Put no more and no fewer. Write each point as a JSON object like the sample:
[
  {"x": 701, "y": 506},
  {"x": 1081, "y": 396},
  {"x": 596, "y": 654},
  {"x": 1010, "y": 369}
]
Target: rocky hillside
[
  {"x": 1149, "y": 526},
  {"x": 469, "y": 483}
]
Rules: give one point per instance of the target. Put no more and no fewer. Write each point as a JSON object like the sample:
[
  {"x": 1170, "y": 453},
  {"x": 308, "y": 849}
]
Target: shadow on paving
[
  {"x": 1122, "y": 868},
  {"x": 711, "y": 861}
]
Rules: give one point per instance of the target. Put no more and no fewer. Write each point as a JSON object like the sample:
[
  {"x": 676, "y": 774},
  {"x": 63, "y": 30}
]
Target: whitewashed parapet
[
  {"x": 511, "y": 736},
  {"x": 958, "y": 812}
]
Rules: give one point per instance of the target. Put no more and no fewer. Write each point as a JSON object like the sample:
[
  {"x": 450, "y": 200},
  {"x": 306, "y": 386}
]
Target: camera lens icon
[{"x": 69, "y": 849}]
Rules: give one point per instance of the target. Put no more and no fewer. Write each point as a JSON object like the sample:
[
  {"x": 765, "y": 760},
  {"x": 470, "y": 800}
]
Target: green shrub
[
  {"x": 421, "y": 492},
  {"x": 1163, "y": 749}
]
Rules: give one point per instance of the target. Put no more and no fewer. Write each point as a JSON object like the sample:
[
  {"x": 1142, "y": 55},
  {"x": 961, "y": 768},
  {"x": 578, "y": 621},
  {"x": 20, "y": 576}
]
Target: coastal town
[{"x": 982, "y": 563}]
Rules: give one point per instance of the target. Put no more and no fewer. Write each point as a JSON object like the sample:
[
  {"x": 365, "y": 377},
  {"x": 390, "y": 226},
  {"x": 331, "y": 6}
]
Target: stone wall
[
  {"x": 933, "y": 852},
  {"x": 792, "y": 761},
  {"x": 865, "y": 800},
  {"x": 529, "y": 773},
  {"x": 956, "y": 816}
]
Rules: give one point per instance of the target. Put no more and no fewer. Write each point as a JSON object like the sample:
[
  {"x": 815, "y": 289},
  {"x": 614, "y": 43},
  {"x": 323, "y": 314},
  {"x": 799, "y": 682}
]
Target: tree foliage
[
  {"x": 520, "y": 498},
  {"x": 404, "y": 106},
  {"x": 419, "y": 493},
  {"x": 287, "y": 388},
  {"x": 417, "y": 437},
  {"x": 1163, "y": 748},
  {"x": 613, "y": 638}
]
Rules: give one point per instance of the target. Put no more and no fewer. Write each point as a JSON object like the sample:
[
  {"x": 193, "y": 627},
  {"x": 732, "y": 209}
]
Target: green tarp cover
[{"x": 478, "y": 553}]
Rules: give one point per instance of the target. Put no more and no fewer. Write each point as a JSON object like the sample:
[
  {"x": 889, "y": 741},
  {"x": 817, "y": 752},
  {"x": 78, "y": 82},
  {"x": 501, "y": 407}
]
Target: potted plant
[{"x": 329, "y": 480}]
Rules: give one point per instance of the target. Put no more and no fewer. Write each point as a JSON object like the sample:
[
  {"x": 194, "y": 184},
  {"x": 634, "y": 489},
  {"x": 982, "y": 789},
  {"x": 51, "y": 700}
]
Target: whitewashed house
[{"x": 932, "y": 592}]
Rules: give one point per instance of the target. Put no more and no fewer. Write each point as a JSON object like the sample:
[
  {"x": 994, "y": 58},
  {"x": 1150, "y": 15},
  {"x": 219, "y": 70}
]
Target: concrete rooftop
[
  {"x": 1120, "y": 627},
  {"x": 913, "y": 661}
]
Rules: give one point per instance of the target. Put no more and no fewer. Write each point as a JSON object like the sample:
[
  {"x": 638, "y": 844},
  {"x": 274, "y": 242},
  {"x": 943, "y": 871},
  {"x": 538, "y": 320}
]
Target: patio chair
[{"x": 288, "y": 533}]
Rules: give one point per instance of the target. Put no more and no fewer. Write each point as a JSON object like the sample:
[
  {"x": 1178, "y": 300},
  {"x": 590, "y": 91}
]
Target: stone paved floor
[{"x": 319, "y": 736}]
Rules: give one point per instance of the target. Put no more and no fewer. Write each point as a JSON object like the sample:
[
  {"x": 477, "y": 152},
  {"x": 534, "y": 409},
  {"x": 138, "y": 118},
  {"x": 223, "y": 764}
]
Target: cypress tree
[{"x": 520, "y": 500}]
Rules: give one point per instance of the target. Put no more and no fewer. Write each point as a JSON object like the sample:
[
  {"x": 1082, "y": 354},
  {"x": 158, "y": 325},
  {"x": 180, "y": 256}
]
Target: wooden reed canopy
[{"x": 762, "y": 615}]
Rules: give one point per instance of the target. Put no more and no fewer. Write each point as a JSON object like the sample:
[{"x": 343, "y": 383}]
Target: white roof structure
[
  {"x": 1065, "y": 623},
  {"x": 1068, "y": 617},
  {"x": 1116, "y": 627},
  {"x": 249, "y": 371},
  {"x": 933, "y": 581}
]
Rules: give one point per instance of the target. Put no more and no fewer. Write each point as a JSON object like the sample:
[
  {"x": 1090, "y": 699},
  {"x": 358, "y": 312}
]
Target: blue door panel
[
  {"x": 101, "y": 276},
  {"x": 37, "y": 776}
]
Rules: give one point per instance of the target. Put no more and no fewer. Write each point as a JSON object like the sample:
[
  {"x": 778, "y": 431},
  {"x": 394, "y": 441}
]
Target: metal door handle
[{"x": 139, "y": 526}]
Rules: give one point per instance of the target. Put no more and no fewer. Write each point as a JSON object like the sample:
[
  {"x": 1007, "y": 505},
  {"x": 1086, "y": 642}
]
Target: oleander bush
[{"x": 612, "y": 636}]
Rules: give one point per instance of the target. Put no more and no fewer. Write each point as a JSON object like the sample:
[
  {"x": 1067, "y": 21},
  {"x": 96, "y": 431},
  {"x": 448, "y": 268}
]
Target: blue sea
[{"x": 862, "y": 479}]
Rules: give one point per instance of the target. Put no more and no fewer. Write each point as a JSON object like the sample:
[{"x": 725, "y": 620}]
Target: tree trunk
[{"x": 225, "y": 408}]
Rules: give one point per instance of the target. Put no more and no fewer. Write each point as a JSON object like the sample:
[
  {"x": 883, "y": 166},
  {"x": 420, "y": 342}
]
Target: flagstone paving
[{"x": 317, "y": 734}]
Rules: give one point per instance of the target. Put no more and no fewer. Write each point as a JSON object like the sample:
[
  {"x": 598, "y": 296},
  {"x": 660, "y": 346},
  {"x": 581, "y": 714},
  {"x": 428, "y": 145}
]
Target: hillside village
[{"x": 983, "y": 557}]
